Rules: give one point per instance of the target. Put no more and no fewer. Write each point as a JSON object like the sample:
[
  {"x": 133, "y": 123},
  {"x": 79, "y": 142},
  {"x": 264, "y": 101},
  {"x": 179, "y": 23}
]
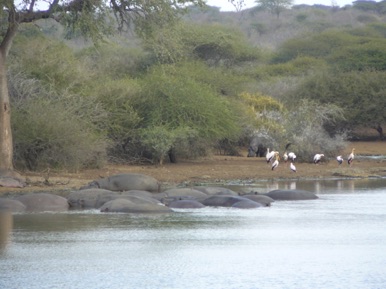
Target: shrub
[
  {"x": 172, "y": 99},
  {"x": 51, "y": 131},
  {"x": 47, "y": 135},
  {"x": 304, "y": 128}
]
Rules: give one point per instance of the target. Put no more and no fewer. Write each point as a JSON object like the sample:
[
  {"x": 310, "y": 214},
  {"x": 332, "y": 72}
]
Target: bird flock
[{"x": 273, "y": 158}]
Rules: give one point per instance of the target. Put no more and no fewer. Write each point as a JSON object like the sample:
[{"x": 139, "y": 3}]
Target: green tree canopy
[
  {"x": 92, "y": 18},
  {"x": 215, "y": 44},
  {"x": 173, "y": 100},
  {"x": 274, "y": 6},
  {"x": 362, "y": 95}
]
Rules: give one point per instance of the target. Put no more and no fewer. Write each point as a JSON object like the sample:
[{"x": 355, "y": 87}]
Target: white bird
[
  {"x": 339, "y": 159},
  {"x": 292, "y": 167},
  {"x": 275, "y": 164},
  {"x": 291, "y": 156},
  {"x": 351, "y": 157},
  {"x": 317, "y": 158},
  {"x": 285, "y": 157},
  {"x": 269, "y": 156}
]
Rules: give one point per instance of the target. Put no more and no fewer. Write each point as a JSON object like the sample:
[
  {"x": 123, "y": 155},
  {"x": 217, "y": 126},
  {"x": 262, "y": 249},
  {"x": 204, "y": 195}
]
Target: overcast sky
[{"x": 225, "y": 6}]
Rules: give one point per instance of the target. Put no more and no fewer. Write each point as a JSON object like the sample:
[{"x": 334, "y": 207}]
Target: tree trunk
[
  {"x": 380, "y": 131},
  {"x": 6, "y": 146}
]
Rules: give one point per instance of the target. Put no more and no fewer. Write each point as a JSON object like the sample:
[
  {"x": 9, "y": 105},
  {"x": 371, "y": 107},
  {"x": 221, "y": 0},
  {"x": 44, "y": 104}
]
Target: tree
[
  {"x": 183, "y": 109},
  {"x": 93, "y": 18},
  {"x": 274, "y": 6}
]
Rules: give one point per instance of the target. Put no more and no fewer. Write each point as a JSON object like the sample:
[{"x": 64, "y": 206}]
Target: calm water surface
[{"x": 337, "y": 241}]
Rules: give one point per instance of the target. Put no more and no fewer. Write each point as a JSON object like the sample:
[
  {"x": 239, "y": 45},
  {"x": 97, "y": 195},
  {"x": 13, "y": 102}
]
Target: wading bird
[
  {"x": 285, "y": 157},
  {"x": 292, "y": 156},
  {"x": 292, "y": 167},
  {"x": 339, "y": 159},
  {"x": 351, "y": 157},
  {"x": 317, "y": 158},
  {"x": 269, "y": 156},
  {"x": 276, "y": 162}
]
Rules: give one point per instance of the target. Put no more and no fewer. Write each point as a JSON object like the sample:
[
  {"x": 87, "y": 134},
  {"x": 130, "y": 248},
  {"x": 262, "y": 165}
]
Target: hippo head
[{"x": 92, "y": 185}]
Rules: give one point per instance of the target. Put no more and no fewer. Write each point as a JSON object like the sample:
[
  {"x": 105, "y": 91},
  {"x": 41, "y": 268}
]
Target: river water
[{"x": 336, "y": 241}]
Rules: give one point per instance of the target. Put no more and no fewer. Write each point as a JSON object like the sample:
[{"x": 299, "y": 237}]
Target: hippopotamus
[
  {"x": 215, "y": 190},
  {"x": 291, "y": 195},
  {"x": 126, "y": 206},
  {"x": 227, "y": 201},
  {"x": 96, "y": 198},
  {"x": 126, "y": 182},
  {"x": 11, "y": 182},
  {"x": 43, "y": 202},
  {"x": 90, "y": 198},
  {"x": 185, "y": 204},
  {"x": 246, "y": 204},
  {"x": 262, "y": 199},
  {"x": 11, "y": 205},
  {"x": 185, "y": 192}
]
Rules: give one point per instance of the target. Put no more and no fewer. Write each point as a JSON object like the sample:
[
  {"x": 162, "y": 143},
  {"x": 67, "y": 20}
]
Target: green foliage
[
  {"x": 319, "y": 45},
  {"x": 214, "y": 44},
  {"x": 113, "y": 60},
  {"x": 160, "y": 140},
  {"x": 296, "y": 67},
  {"x": 361, "y": 94},
  {"x": 48, "y": 135},
  {"x": 365, "y": 5},
  {"x": 365, "y": 18},
  {"x": 90, "y": 19},
  {"x": 305, "y": 124},
  {"x": 274, "y": 6},
  {"x": 261, "y": 28},
  {"x": 52, "y": 62},
  {"x": 267, "y": 112},
  {"x": 120, "y": 119},
  {"x": 368, "y": 55},
  {"x": 380, "y": 28},
  {"x": 173, "y": 100},
  {"x": 301, "y": 17},
  {"x": 224, "y": 81}
]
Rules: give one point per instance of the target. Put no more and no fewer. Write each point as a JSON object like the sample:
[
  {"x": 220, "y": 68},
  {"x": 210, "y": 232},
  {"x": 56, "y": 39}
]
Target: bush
[
  {"x": 52, "y": 131},
  {"x": 318, "y": 46},
  {"x": 185, "y": 108},
  {"x": 48, "y": 135},
  {"x": 360, "y": 94},
  {"x": 304, "y": 128},
  {"x": 368, "y": 55},
  {"x": 38, "y": 58}
]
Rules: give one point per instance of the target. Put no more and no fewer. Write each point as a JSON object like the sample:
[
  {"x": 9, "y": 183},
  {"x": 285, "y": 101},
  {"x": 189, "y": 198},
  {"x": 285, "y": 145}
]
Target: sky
[{"x": 226, "y": 6}]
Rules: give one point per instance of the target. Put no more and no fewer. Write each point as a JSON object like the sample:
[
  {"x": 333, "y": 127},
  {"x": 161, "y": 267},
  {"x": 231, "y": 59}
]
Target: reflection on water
[
  {"x": 6, "y": 223},
  {"x": 337, "y": 241},
  {"x": 316, "y": 186}
]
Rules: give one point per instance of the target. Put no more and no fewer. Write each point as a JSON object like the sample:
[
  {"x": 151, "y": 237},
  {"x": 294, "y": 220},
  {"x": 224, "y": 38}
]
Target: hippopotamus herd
[{"x": 138, "y": 193}]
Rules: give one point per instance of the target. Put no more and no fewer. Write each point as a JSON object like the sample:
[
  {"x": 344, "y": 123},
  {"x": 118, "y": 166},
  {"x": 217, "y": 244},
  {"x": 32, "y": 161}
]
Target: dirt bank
[{"x": 217, "y": 169}]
